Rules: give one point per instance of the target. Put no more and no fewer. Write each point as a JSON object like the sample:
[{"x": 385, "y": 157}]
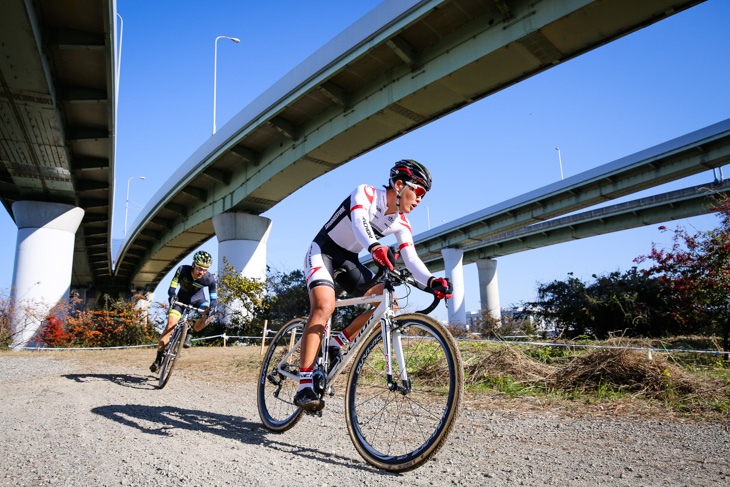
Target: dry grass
[
  {"x": 506, "y": 361},
  {"x": 603, "y": 381},
  {"x": 596, "y": 380},
  {"x": 624, "y": 369}
]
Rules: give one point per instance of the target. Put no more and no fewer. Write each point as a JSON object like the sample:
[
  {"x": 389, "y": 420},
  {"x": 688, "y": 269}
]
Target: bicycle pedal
[
  {"x": 314, "y": 413},
  {"x": 331, "y": 391}
]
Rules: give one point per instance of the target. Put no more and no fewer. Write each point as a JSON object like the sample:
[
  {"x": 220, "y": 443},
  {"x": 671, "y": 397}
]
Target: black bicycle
[{"x": 175, "y": 345}]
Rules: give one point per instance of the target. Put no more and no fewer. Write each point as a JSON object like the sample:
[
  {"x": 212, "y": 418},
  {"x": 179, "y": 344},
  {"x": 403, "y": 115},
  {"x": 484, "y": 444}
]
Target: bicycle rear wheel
[
  {"x": 275, "y": 390},
  {"x": 399, "y": 430},
  {"x": 172, "y": 352}
]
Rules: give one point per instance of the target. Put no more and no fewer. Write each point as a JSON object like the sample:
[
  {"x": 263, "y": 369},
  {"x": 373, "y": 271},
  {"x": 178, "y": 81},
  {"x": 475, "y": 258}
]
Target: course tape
[
  {"x": 576, "y": 345},
  {"x": 539, "y": 344},
  {"x": 224, "y": 336}
]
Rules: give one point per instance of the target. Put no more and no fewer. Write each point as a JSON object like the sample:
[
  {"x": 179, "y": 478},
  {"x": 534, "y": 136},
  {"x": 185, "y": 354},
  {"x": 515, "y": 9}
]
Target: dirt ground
[{"x": 96, "y": 418}]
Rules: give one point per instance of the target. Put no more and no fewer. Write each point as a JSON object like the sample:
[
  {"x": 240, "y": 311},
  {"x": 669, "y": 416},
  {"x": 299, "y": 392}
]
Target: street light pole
[
  {"x": 126, "y": 208},
  {"x": 215, "y": 70},
  {"x": 560, "y": 160}
]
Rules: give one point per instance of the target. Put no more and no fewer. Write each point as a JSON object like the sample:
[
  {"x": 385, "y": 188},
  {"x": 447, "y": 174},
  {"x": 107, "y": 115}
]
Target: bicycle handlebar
[
  {"x": 188, "y": 306},
  {"x": 404, "y": 276}
]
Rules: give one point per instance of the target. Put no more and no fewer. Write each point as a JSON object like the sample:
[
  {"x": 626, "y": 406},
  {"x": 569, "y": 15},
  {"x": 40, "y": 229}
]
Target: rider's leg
[
  {"x": 201, "y": 323},
  {"x": 172, "y": 320},
  {"x": 322, "y": 304}
]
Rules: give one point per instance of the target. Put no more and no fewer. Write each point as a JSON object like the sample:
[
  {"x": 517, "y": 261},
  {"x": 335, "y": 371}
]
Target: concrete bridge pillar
[
  {"x": 454, "y": 270},
  {"x": 242, "y": 241},
  {"x": 43, "y": 262},
  {"x": 489, "y": 287}
]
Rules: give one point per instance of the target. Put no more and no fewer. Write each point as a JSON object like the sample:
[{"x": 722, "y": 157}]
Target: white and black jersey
[{"x": 358, "y": 223}]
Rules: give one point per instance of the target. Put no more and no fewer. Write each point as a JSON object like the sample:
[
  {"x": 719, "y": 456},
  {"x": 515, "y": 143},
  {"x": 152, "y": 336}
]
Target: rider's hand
[
  {"x": 441, "y": 287},
  {"x": 172, "y": 300},
  {"x": 383, "y": 256},
  {"x": 204, "y": 309}
]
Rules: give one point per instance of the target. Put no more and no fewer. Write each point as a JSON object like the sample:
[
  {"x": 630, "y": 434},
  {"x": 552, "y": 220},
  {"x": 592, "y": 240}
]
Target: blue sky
[{"x": 656, "y": 84}]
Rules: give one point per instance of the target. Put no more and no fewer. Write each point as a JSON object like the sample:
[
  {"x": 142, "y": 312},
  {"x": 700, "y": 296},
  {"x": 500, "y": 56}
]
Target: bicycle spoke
[
  {"x": 400, "y": 429},
  {"x": 275, "y": 391}
]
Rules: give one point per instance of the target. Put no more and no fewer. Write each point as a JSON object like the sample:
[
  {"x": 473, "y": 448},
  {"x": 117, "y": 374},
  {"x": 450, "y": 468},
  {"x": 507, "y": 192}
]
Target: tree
[
  {"x": 564, "y": 302},
  {"x": 632, "y": 303},
  {"x": 696, "y": 270},
  {"x": 288, "y": 297},
  {"x": 242, "y": 300}
]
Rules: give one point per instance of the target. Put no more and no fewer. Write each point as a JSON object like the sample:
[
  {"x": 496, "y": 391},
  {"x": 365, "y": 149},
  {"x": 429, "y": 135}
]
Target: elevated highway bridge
[
  {"x": 536, "y": 219},
  {"x": 399, "y": 67},
  {"x": 694, "y": 153}
]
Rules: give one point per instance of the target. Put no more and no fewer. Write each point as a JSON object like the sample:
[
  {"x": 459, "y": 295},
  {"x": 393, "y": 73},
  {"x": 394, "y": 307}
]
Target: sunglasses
[{"x": 420, "y": 191}]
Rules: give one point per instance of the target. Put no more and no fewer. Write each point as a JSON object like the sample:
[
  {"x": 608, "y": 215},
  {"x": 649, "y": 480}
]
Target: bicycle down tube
[{"x": 364, "y": 332}]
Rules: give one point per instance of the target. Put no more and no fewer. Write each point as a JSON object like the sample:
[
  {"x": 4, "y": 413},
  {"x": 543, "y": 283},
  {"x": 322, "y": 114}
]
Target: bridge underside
[
  {"x": 57, "y": 117},
  {"x": 436, "y": 58}
]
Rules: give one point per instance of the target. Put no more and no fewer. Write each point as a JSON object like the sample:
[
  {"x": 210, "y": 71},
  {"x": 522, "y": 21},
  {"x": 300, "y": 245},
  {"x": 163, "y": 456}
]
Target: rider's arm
[
  {"x": 441, "y": 287},
  {"x": 407, "y": 249},
  {"x": 213, "y": 295},
  {"x": 174, "y": 283},
  {"x": 360, "y": 202}
]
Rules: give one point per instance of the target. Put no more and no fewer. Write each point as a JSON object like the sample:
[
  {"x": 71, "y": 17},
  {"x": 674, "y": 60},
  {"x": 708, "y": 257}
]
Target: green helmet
[{"x": 202, "y": 259}]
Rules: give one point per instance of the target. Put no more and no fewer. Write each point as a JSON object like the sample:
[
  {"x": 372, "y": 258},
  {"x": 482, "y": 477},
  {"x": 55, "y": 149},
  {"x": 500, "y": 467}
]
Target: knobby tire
[
  {"x": 274, "y": 391},
  {"x": 172, "y": 352},
  {"x": 398, "y": 431}
]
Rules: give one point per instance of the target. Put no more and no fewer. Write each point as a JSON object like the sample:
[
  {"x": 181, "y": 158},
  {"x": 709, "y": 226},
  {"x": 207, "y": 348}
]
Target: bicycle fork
[{"x": 392, "y": 344}]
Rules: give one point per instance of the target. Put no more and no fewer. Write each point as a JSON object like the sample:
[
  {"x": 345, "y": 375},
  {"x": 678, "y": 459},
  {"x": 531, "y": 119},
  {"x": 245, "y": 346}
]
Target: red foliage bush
[{"x": 120, "y": 325}]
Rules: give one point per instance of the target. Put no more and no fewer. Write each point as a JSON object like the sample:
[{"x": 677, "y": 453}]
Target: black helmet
[
  {"x": 202, "y": 259},
  {"x": 408, "y": 170}
]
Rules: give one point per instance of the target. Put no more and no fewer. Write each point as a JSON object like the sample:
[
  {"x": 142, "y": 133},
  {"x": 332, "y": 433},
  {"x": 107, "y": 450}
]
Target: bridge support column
[
  {"x": 242, "y": 241},
  {"x": 489, "y": 287},
  {"x": 454, "y": 270},
  {"x": 43, "y": 262}
]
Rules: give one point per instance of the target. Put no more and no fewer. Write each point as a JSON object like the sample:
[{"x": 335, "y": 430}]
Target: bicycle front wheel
[
  {"x": 172, "y": 352},
  {"x": 399, "y": 430},
  {"x": 278, "y": 379}
]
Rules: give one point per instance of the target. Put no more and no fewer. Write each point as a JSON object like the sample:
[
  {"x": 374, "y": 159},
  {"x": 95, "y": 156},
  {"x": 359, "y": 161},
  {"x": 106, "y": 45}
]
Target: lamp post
[
  {"x": 126, "y": 207},
  {"x": 560, "y": 160},
  {"x": 215, "y": 70}
]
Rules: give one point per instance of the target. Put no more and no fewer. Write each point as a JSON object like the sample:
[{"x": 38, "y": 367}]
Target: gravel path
[{"x": 65, "y": 424}]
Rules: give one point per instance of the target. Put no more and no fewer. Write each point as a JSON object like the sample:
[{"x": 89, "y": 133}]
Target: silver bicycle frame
[{"x": 383, "y": 314}]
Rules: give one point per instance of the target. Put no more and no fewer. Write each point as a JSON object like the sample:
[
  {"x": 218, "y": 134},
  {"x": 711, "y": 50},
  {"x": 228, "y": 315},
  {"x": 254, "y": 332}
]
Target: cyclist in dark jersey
[
  {"x": 365, "y": 216},
  {"x": 191, "y": 281}
]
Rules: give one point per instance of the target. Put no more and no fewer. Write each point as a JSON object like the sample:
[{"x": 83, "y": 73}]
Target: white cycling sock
[
  {"x": 341, "y": 340},
  {"x": 305, "y": 379}
]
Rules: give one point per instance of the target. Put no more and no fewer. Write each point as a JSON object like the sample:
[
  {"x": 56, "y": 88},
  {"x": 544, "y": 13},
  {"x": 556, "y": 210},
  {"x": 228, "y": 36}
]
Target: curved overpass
[
  {"x": 399, "y": 67},
  {"x": 57, "y": 117}
]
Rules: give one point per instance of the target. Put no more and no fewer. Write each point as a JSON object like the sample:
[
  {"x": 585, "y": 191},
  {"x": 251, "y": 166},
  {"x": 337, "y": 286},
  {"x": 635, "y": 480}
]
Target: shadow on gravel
[
  {"x": 126, "y": 380},
  {"x": 160, "y": 420}
]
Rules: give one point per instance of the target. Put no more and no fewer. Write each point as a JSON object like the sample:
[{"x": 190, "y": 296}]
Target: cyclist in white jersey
[{"x": 365, "y": 216}]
